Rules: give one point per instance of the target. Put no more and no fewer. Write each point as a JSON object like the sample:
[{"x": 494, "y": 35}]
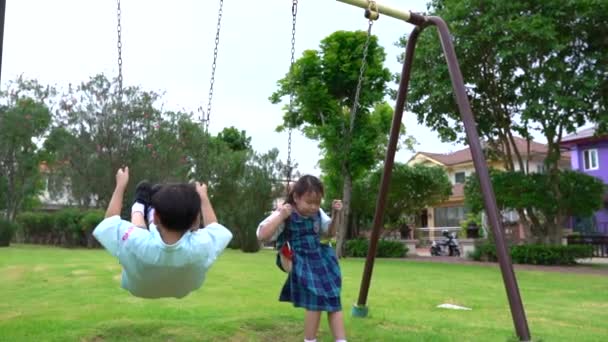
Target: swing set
[{"x": 372, "y": 13}]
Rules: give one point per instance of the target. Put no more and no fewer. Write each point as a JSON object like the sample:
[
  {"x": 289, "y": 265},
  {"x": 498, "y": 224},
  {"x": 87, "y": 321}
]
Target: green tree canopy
[
  {"x": 412, "y": 189},
  {"x": 529, "y": 66},
  {"x": 323, "y": 84},
  {"x": 24, "y": 120},
  {"x": 581, "y": 195}
]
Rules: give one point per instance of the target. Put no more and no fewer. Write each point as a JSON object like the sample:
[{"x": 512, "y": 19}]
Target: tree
[
  {"x": 528, "y": 66},
  {"x": 582, "y": 195},
  {"x": 242, "y": 187},
  {"x": 238, "y": 141},
  {"x": 413, "y": 188},
  {"x": 96, "y": 132},
  {"x": 24, "y": 118},
  {"x": 323, "y": 84}
]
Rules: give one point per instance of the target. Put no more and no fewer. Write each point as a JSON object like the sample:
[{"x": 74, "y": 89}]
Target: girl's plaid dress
[{"x": 315, "y": 280}]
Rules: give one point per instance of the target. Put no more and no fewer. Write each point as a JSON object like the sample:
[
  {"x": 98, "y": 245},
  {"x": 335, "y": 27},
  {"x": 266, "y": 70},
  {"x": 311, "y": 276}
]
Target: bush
[
  {"x": 357, "y": 247},
  {"x": 88, "y": 222},
  {"x": 391, "y": 249},
  {"x": 67, "y": 230},
  {"x": 536, "y": 254},
  {"x": 484, "y": 252},
  {"x": 7, "y": 230},
  {"x": 386, "y": 248},
  {"x": 68, "y": 227},
  {"x": 35, "y": 227}
]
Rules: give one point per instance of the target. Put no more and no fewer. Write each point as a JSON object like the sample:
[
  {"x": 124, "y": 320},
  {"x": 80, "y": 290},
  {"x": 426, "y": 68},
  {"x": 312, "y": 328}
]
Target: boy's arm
[
  {"x": 206, "y": 207},
  {"x": 115, "y": 206}
]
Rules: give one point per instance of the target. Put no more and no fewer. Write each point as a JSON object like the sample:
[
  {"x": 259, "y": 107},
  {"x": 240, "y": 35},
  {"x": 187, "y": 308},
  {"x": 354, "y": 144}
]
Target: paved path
[{"x": 597, "y": 266}]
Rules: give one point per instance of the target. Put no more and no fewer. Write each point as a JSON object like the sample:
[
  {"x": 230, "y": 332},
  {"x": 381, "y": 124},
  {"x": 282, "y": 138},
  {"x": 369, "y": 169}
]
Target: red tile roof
[
  {"x": 587, "y": 134},
  {"x": 464, "y": 155}
]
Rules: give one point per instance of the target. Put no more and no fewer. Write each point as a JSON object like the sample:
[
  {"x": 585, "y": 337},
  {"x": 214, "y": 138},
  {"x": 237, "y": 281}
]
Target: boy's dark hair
[
  {"x": 177, "y": 205},
  {"x": 305, "y": 184}
]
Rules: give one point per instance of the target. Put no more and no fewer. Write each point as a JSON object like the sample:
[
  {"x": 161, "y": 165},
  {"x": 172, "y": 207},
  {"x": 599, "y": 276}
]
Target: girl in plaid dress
[{"x": 314, "y": 281}]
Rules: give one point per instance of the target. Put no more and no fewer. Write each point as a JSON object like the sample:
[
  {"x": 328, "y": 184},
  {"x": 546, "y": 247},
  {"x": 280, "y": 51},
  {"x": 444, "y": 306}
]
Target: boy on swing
[{"x": 170, "y": 256}]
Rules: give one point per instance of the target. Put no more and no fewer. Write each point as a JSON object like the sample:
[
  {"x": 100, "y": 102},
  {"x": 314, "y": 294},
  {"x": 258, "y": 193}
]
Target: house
[
  {"x": 590, "y": 155},
  {"x": 459, "y": 165},
  {"x": 56, "y": 199}
]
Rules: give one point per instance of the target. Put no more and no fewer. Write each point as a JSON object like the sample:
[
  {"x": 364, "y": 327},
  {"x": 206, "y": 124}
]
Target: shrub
[
  {"x": 386, "y": 248},
  {"x": 484, "y": 252},
  {"x": 536, "y": 254},
  {"x": 88, "y": 222},
  {"x": 7, "y": 230},
  {"x": 357, "y": 247},
  {"x": 35, "y": 227},
  {"x": 68, "y": 227},
  {"x": 391, "y": 249},
  {"x": 67, "y": 230}
]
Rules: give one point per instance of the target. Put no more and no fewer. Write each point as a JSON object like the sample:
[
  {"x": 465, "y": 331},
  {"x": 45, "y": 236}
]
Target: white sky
[{"x": 168, "y": 47}]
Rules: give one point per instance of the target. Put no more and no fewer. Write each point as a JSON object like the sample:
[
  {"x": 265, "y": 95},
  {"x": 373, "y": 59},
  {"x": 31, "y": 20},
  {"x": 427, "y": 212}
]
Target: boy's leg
[
  {"x": 336, "y": 324},
  {"x": 311, "y": 324}
]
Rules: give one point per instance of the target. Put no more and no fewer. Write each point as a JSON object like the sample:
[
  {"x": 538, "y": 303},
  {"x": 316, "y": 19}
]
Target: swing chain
[
  {"x": 371, "y": 9},
  {"x": 294, "y": 12},
  {"x": 119, "y": 45},
  {"x": 206, "y": 115}
]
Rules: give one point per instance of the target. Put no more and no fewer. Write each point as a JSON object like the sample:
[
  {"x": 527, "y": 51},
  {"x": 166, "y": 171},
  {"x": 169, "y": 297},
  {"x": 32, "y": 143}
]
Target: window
[
  {"x": 459, "y": 177},
  {"x": 510, "y": 216},
  {"x": 540, "y": 168},
  {"x": 449, "y": 216},
  {"x": 590, "y": 160}
]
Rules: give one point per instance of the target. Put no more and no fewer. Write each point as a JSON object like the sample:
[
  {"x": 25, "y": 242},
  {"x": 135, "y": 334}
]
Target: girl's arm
[
  {"x": 268, "y": 228},
  {"x": 336, "y": 208}
]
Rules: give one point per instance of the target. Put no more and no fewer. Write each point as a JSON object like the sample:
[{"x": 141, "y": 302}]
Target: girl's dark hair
[
  {"x": 305, "y": 184},
  {"x": 177, "y": 205}
]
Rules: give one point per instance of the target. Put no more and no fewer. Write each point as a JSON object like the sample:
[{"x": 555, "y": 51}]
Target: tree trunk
[{"x": 346, "y": 199}]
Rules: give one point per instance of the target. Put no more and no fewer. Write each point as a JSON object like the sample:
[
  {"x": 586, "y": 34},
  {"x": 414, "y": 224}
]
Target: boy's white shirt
[
  {"x": 154, "y": 269},
  {"x": 325, "y": 221}
]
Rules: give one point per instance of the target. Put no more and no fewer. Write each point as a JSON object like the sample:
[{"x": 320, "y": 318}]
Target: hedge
[
  {"x": 67, "y": 227},
  {"x": 7, "y": 230},
  {"x": 386, "y": 248},
  {"x": 536, "y": 254}
]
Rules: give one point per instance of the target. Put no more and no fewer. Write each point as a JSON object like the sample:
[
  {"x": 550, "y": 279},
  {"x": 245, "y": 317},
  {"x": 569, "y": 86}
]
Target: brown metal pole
[
  {"x": 2, "y": 16},
  {"x": 504, "y": 258},
  {"x": 388, "y": 166}
]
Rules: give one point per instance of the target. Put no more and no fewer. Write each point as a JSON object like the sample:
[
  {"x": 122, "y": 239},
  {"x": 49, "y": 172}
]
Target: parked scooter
[{"x": 449, "y": 246}]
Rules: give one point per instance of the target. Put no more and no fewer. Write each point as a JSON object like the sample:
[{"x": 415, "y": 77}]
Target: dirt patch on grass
[
  {"x": 595, "y": 305},
  {"x": 93, "y": 339},
  {"x": 13, "y": 273},
  {"x": 80, "y": 272},
  {"x": 40, "y": 268},
  {"x": 577, "y": 269},
  {"x": 129, "y": 330},
  {"x": 277, "y": 331},
  {"x": 9, "y": 315}
]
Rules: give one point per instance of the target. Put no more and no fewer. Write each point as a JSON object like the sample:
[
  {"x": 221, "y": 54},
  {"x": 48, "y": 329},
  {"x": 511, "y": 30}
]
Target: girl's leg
[
  {"x": 311, "y": 324},
  {"x": 336, "y": 324},
  {"x": 139, "y": 210}
]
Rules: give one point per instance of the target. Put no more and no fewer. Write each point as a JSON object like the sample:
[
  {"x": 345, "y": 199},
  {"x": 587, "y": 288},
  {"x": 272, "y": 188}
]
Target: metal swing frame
[{"x": 481, "y": 168}]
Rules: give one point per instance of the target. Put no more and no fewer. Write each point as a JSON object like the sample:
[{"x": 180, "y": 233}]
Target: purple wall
[
  {"x": 602, "y": 151},
  {"x": 601, "y": 216}
]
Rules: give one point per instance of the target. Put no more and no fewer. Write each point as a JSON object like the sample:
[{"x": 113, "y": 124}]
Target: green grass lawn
[{"x": 54, "y": 294}]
